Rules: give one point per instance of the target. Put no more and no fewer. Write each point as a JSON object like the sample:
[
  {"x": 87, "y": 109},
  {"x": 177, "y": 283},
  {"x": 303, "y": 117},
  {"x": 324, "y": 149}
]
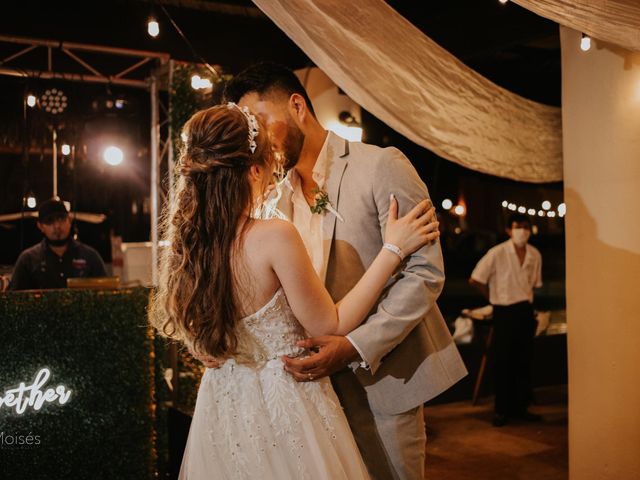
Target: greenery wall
[{"x": 97, "y": 344}]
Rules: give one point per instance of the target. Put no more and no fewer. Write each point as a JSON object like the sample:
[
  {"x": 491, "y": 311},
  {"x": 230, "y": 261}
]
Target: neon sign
[{"x": 33, "y": 396}]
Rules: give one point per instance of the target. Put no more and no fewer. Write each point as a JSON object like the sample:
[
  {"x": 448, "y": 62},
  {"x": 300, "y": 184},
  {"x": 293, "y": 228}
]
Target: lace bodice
[{"x": 269, "y": 333}]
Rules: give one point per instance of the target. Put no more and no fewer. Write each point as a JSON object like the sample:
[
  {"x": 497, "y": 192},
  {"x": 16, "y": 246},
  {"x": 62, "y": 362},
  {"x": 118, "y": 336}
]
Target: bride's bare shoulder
[{"x": 276, "y": 231}]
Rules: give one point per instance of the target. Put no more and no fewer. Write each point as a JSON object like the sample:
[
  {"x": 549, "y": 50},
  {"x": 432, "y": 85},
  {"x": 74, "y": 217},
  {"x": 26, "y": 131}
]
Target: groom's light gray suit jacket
[{"x": 405, "y": 340}]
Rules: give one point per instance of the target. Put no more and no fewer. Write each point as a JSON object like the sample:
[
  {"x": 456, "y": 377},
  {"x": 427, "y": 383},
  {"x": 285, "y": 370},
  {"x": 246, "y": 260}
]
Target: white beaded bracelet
[{"x": 395, "y": 249}]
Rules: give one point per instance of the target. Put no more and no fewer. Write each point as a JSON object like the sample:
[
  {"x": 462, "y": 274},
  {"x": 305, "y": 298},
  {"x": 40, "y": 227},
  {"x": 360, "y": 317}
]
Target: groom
[{"x": 403, "y": 355}]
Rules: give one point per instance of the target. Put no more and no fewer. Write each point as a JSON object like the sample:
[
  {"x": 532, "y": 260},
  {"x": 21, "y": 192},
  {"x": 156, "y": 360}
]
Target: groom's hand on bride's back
[{"x": 332, "y": 353}]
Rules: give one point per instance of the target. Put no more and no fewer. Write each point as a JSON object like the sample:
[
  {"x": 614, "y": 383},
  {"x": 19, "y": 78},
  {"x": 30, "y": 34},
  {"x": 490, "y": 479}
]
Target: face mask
[{"x": 520, "y": 236}]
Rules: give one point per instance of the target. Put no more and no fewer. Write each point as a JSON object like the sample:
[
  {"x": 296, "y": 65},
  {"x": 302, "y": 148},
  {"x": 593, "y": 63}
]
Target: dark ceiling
[{"x": 511, "y": 46}]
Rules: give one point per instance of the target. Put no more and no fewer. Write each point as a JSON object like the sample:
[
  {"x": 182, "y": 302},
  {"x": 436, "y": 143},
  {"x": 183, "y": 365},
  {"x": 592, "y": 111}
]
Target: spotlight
[
  {"x": 113, "y": 155},
  {"x": 54, "y": 101},
  {"x": 31, "y": 100},
  {"x": 66, "y": 149},
  {"x": 447, "y": 204},
  {"x": 546, "y": 205},
  {"x": 585, "y": 43},
  {"x": 153, "y": 27}
]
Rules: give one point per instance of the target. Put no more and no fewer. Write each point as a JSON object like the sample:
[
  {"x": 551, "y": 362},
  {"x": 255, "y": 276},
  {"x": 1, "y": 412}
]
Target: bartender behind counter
[{"x": 58, "y": 256}]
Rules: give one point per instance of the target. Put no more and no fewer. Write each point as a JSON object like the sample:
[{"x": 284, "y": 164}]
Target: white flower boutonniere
[{"x": 323, "y": 204}]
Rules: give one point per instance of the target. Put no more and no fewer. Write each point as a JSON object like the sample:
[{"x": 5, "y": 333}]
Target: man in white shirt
[{"x": 506, "y": 276}]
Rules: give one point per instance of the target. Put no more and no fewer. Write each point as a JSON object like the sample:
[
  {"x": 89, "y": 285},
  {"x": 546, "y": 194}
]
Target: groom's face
[{"x": 285, "y": 136}]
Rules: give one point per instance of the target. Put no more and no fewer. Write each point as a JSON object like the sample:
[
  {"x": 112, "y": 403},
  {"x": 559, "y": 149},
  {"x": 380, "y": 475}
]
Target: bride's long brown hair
[{"x": 196, "y": 300}]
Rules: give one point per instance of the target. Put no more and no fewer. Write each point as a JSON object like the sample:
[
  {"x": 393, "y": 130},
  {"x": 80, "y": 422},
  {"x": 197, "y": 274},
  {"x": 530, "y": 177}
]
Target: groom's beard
[{"x": 292, "y": 145}]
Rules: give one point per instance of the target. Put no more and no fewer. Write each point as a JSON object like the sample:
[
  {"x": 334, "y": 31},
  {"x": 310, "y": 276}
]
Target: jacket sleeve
[{"x": 413, "y": 291}]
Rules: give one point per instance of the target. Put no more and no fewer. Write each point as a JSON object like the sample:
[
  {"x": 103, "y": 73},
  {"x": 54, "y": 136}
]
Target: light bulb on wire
[
  {"x": 31, "y": 100},
  {"x": 447, "y": 204},
  {"x": 585, "y": 43},
  {"x": 31, "y": 201},
  {"x": 153, "y": 27},
  {"x": 66, "y": 149}
]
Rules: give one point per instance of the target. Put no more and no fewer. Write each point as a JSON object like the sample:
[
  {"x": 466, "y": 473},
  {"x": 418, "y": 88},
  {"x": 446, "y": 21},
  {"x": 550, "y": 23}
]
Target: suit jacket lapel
[{"x": 336, "y": 165}]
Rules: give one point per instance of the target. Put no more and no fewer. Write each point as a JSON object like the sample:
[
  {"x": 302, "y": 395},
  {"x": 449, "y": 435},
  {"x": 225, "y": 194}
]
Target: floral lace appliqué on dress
[{"x": 253, "y": 420}]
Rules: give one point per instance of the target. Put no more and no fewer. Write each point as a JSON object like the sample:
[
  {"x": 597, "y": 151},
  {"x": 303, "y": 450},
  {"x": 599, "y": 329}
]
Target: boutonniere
[{"x": 322, "y": 204}]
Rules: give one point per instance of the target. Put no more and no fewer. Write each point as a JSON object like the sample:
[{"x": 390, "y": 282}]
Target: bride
[{"x": 244, "y": 290}]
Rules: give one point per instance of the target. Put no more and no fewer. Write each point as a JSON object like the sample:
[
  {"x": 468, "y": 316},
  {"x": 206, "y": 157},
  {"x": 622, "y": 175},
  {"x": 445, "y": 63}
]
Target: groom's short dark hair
[{"x": 264, "y": 78}]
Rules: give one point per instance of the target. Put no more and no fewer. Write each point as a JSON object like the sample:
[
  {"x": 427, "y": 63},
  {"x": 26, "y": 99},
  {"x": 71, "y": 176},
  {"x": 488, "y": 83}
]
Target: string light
[
  {"x": 459, "y": 210},
  {"x": 562, "y": 210},
  {"x": 585, "y": 43},
  {"x": 544, "y": 212},
  {"x": 31, "y": 201},
  {"x": 153, "y": 27},
  {"x": 31, "y": 100},
  {"x": 503, "y": 2},
  {"x": 66, "y": 149},
  {"x": 198, "y": 83},
  {"x": 447, "y": 204}
]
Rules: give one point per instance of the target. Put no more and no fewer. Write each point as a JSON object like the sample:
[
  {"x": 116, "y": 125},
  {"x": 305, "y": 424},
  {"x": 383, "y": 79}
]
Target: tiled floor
[{"x": 462, "y": 443}]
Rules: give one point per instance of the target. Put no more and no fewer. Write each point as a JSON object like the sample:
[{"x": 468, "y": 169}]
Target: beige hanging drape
[
  {"x": 615, "y": 21},
  {"x": 416, "y": 87}
]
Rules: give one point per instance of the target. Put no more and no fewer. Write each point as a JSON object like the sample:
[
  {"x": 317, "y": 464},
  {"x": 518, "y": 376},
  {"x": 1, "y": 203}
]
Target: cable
[{"x": 186, "y": 40}]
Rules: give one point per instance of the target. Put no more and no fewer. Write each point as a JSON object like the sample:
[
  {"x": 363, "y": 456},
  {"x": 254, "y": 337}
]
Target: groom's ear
[{"x": 298, "y": 107}]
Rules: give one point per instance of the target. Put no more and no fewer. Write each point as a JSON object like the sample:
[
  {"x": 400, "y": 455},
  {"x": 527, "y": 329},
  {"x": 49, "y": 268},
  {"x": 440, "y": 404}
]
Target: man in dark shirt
[{"x": 58, "y": 256}]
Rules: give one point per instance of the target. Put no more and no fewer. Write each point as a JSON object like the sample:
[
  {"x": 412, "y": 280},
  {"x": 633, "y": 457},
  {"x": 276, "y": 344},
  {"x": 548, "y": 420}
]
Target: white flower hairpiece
[{"x": 252, "y": 124}]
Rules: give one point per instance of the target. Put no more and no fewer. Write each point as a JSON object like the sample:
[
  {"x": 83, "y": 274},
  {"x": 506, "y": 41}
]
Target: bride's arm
[{"x": 307, "y": 296}]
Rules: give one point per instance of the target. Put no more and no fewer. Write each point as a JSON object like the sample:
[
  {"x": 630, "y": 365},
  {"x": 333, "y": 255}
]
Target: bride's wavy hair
[{"x": 196, "y": 300}]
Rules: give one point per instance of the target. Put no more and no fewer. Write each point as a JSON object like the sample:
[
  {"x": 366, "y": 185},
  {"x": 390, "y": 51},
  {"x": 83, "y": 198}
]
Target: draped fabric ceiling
[{"x": 416, "y": 87}]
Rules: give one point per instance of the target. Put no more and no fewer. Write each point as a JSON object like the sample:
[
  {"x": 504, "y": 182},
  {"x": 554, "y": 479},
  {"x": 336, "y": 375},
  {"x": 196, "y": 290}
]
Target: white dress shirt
[{"x": 508, "y": 281}]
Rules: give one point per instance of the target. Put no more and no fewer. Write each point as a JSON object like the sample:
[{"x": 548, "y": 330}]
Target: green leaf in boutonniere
[
  {"x": 321, "y": 201},
  {"x": 322, "y": 204}
]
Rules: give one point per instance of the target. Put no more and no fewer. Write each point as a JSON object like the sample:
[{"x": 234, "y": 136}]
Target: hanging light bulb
[
  {"x": 585, "y": 43},
  {"x": 31, "y": 201},
  {"x": 505, "y": 204},
  {"x": 31, "y": 100},
  {"x": 153, "y": 27},
  {"x": 562, "y": 210},
  {"x": 447, "y": 204},
  {"x": 531, "y": 212},
  {"x": 546, "y": 205},
  {"x": 66, "y": 149},
  {"x": 460, "y": 210}
]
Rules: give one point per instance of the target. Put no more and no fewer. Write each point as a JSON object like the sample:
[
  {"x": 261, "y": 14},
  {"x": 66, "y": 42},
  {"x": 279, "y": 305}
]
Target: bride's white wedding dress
[{"x": 253, "y": 420}]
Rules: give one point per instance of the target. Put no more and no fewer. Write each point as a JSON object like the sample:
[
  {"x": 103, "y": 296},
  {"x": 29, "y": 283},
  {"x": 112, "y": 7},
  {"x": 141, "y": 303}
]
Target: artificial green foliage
[{"x": 99, "y": 345}]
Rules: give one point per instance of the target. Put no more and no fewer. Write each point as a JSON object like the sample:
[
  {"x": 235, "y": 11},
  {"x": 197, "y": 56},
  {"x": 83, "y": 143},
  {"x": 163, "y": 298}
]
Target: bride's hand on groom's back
[{"x": 413, "y": 230}]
